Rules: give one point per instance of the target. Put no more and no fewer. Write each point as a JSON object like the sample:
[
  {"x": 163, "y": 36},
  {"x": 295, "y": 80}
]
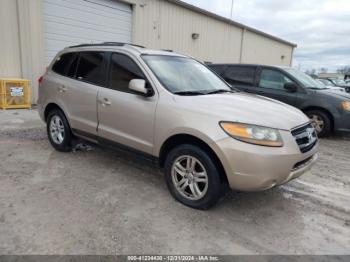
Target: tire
[
  {"x": 56, "y": 120},
  {"x": 204, "y": 169},
  {"x": 321, "y": 122}
]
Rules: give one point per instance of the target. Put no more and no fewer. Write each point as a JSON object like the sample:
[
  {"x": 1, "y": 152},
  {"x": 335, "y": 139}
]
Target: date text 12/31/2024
[{"x": 173, "y": 258}]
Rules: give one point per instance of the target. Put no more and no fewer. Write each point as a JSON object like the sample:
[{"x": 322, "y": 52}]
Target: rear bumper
[
  {"x": 41, "y": 112},
  {"x": 255, "y": 168}
]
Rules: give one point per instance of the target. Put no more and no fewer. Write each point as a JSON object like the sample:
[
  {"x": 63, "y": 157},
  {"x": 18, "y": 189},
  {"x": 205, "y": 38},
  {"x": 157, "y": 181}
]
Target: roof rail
[
  {"x": 117, "y": 43},
  {"x": 106, "y": 44}
]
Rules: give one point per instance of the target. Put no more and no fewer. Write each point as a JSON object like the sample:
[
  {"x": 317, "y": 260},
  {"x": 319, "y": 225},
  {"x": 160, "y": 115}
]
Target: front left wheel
[
  {"x": 192, "y": 177},
  {"x": 58, "y": 131}
]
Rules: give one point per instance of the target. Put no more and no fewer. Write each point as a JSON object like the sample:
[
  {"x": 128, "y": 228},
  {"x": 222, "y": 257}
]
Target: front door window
[{"x": 273, "y": 79}]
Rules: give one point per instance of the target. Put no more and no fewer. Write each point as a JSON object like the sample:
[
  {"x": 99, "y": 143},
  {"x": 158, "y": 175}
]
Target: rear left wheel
[{"x": 58, "y": 131}]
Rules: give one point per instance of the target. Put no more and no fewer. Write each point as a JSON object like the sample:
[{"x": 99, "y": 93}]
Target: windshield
[
  {"x": 339, "y": 82},
  {"x": 322, "y": 83},
  {"x": 307, "y": 81},
  {"x": 184, "y": 75},
  {"x": 326, "y": 82}
]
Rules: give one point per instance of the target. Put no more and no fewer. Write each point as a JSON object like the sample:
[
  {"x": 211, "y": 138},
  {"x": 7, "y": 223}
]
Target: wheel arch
[
  {"x": 51, "y": 106},
  {"x": 179, "y": 139},
  {"x": 324, "y": 110}
]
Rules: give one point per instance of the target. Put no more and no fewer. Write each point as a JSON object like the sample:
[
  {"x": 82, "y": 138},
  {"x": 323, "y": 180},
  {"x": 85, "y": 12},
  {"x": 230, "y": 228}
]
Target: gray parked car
[
  {"x": 175, "y": 111},
  {"x": 339, "y": 83},
  {"x": 329, "y": 84},
  {"x": 328, "y": 110}
]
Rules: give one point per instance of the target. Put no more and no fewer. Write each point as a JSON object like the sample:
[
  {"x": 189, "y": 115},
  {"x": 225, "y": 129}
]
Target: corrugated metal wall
[
  {"x": 156, "y": 24},
  {"x": 160, "y": 24},
  {"x": 165, "y": 25},
  {"x": 263, "y": 50},
  {"x": 72, "y": 22},
  {"x": 21, "y": 45},
  {"x": 10, "y": 59}
]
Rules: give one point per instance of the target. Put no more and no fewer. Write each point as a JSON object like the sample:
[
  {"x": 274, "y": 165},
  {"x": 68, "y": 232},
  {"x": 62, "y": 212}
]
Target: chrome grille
[{"x": 305, "y": 137}]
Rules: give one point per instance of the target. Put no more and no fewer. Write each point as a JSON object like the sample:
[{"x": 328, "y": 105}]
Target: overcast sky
[{"x": 321, "y": 28}]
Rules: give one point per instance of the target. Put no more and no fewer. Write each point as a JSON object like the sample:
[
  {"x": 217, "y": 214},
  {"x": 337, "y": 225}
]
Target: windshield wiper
[
  {"x": 189, "y": 93},
  {"x": 316, "y": 88},
  {"x": 219, "y": 91}
]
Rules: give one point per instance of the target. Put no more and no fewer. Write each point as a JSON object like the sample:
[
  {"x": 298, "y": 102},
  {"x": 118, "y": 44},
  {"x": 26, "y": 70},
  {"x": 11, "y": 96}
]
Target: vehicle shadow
[{"x": 232, "y": 199}]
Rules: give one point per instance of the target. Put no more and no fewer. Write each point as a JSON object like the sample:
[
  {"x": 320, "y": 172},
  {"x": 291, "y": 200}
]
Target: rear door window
[
  {"x": 91, "y": 68},
  {"x": 240, "y": 75},
  {"x": 62, "y": 63},
  {"x": 72, "y": 68},
  {"x": 273, "y": 79}
]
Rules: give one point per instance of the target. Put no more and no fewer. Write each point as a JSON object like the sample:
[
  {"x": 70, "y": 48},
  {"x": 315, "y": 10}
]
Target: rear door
[
  {"x": 81, "y": 92},
  {"x": 241, "y": 77},
  {"x": 124, "y": 117},
  {"x": 271, "y": 83}
]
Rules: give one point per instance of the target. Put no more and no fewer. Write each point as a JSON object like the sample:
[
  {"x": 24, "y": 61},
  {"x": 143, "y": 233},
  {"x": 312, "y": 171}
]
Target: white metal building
[{"x": 33, "y": 31}]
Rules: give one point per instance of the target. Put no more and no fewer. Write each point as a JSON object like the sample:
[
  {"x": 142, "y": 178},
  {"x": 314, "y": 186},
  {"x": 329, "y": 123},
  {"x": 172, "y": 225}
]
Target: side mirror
[
  {"x": 139, "y": 87},
  {"x": 291, "y": 87}
]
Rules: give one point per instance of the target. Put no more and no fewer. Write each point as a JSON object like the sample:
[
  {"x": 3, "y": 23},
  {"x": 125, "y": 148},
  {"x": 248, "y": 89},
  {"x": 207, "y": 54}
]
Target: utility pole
[{"x": 232, "y": 9}]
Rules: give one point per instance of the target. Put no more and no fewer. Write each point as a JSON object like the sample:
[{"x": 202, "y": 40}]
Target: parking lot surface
[{"x": 98, "y": 201}]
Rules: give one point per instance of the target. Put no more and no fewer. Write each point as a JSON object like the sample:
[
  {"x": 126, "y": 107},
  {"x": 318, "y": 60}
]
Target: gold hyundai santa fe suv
[{"x": 205, "y": 135}]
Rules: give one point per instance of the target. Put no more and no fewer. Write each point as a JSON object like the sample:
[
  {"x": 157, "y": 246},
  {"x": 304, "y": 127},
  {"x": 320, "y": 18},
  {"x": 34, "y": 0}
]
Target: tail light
[{"x": 40, "y": 80}]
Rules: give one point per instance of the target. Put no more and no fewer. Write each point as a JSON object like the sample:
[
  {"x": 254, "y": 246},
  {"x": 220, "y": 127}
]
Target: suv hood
[{"x": 245, "y": 108}]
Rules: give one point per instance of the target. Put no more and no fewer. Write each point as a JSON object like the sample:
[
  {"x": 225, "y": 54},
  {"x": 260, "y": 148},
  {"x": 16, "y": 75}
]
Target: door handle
[
  {"x": 105, "y": 102},
  {"x": 62, "y": 89}
]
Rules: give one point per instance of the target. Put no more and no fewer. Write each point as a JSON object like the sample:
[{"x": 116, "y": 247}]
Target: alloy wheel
[
  {"x": 189, "y": 177},
  {"x": 57, "y": 132},
  {"x": 317, "y": 122}
]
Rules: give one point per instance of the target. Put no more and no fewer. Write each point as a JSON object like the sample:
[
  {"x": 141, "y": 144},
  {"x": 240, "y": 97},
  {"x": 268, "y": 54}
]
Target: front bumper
[
  {"x": 254, "y": 168},
  {"x": 342, "y": 123}
]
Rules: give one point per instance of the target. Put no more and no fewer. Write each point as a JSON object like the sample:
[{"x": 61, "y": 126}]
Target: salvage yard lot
[{"x": 109, "y": 202}]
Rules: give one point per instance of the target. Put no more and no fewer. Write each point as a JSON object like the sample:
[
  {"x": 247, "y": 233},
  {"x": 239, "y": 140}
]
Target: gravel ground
[{"x": 98, "y": 201}]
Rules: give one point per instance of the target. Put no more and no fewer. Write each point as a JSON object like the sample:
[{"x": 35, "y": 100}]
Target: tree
[
  {"x": 310, "y": 72},
  {"x": 323, "y": 70},
  {"x": 344, "y": 70}
]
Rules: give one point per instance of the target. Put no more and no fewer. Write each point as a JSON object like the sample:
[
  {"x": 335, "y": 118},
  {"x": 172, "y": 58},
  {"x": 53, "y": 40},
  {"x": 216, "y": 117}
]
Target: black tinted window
[
  {"x": 62, "y": 63},
  {"x": 91, "y": 67},
  {"x": 219, "y": 69},
  {"x": 273, "y": 79},
  {"x": 123, "y": 70},
  {"x": 240, "y": 75},
  {"x": 72, "y": 68}
]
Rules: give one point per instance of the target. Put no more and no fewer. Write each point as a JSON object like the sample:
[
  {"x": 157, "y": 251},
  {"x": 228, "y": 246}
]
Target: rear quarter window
[{"x": 62, "y": 63}]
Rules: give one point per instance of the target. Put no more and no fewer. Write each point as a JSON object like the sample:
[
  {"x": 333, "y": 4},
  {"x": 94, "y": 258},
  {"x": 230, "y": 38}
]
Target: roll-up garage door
[{"x": 71, "y": 22}]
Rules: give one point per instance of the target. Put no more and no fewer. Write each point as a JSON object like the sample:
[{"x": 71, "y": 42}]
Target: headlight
[
  {"x": 252, "y": 134},
  {"x": 345, "y": 105}
]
